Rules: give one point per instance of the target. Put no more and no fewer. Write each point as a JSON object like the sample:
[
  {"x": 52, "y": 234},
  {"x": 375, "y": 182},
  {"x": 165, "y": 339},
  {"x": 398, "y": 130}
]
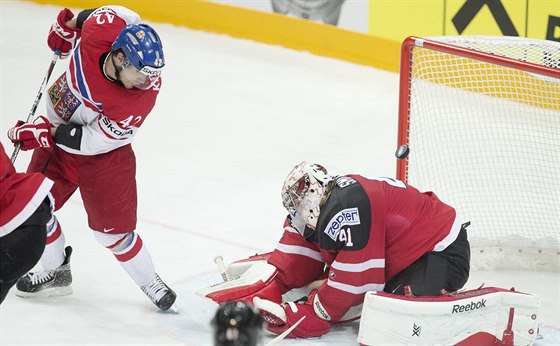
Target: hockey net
[{"x": 481, "y": 117}]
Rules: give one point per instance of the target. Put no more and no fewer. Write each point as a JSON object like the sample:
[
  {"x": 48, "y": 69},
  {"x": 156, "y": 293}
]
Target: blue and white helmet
[{"x": 142, "y": 48}]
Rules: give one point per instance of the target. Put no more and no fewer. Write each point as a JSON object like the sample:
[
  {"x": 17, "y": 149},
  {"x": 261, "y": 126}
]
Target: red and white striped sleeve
[{"x": 299, "y": 262}]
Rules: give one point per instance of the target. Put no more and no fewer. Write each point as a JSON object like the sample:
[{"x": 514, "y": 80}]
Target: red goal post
[{"x": 481, "y": 117}]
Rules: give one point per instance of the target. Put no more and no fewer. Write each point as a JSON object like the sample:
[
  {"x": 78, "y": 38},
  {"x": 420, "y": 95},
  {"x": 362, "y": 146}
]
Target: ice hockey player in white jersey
[{"x": 94, "y": 110}]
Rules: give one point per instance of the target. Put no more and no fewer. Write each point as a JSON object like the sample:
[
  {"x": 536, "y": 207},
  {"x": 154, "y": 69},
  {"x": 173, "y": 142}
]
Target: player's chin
[
  {"x": 142, "y": 86},
  {"x": 127, "y": 85}
]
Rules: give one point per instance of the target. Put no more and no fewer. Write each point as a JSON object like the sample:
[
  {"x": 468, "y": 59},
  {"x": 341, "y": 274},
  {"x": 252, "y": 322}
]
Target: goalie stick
[
  {"x": 281, "y": 337},
  {"x": 219, "y": 260},
  {"x": 37, "y": 99}
]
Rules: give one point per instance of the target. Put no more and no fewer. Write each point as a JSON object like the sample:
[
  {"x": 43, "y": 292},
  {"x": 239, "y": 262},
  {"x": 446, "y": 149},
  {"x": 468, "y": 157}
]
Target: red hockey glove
[
  {"x": 281, "y": 317},
  {"x": 32, "y": 135},
  {"x": 61, "y": 36}
]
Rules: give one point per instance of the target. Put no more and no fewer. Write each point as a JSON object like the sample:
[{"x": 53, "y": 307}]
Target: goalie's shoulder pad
[
  {"x": 258, "y": 280},
  {"x": 483, "y": 316}
]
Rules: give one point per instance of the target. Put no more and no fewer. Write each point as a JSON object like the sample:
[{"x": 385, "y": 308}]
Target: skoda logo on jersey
[
  {"x": 346, "y": 217},
  {"x": 114, "y": 130}
]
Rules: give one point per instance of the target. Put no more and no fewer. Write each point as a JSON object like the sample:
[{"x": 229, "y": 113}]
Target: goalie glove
[
  {"x": 257, "y": 281},
  {"x": 281, "y": 317},
  {"x": 239, "y": 267}
]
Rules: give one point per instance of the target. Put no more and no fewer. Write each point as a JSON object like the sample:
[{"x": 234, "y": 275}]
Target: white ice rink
[{"x": 232, "y": 119}]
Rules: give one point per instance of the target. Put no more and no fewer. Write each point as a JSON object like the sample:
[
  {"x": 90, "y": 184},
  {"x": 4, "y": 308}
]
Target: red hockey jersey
[
  {"x": 20, "y": 194},
  {"x": 110, "y": 115},
  {"x": 368, "y": 231}
]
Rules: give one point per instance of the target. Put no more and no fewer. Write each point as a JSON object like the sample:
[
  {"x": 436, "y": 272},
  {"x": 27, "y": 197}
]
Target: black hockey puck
[{"x": 402, "y": 152}]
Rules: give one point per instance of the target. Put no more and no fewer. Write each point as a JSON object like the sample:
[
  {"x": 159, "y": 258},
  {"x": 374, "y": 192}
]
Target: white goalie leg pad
[
  {"x": 236, "y": 269},
  {"x": 484, "y": 316},
  {"x": 259, "y": 275}
]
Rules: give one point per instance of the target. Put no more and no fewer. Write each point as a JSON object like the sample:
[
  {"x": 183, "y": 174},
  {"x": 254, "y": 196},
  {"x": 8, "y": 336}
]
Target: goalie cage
[{"x": 481, "y": 116}]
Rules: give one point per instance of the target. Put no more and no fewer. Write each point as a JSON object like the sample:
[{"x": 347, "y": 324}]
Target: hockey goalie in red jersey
[
  {"x": 348, "y": 235},
  {"x": 94, "y": 110}
]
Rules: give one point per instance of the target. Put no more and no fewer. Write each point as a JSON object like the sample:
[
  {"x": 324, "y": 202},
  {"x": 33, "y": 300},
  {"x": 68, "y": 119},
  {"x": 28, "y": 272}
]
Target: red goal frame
[{"x": 408, "y": 46}]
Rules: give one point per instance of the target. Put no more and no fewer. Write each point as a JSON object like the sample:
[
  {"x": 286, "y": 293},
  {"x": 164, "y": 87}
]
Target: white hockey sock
[
  {"x": 53, "y": 256},
  {"x": 131, "y": 253}
]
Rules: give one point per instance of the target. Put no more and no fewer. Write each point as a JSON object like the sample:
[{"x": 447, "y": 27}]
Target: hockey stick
[
  {"x": 281, "y": 337},
  {"x": 37, "y": 99},
  {"x": 219, "y": 260}
]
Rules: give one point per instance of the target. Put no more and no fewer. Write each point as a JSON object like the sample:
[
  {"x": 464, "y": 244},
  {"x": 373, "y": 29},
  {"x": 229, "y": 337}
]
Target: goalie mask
[
  {"x": 237, "y": 323},
  {"x": 305, "y": 190}
]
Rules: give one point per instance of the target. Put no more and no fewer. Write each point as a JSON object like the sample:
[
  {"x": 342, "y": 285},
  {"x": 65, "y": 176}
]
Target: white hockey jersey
[{"x": 107, "y": 114}]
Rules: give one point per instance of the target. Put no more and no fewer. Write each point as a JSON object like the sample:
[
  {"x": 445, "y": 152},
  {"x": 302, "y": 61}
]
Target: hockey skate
[
  {"x": 47, "y": 283},
  {"x": 160, "y": 294}
]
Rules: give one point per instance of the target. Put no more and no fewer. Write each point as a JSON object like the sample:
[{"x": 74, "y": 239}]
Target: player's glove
[
  {"x": 61, "y": 36},
  {"x": 32, "y": 135},
  {"x": 280, "y": 317}
]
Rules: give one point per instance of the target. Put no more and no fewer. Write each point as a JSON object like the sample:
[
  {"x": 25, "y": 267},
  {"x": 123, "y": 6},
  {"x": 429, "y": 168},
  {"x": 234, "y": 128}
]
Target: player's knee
[
  {"x": 458, "y": 255},
  {"x": 428, "y": 276},
  {"x": 457, "y": 276},
  {"x": 447, "y": 270},
  {"x": 41, "y": 215},
  {"x": 115, "y": 242}
]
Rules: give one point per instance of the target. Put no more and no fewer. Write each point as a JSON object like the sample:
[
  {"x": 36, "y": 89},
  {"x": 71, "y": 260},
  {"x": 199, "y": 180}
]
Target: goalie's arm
[
  {"x": 299, "y": 262},
  {"x": 351, "y": 275},
  {"x": 294, "y": 263}
]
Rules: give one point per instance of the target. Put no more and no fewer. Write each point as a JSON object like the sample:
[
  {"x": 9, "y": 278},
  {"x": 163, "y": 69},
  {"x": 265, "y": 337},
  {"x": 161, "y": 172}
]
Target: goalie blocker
[{"x": 485, "y": 316}]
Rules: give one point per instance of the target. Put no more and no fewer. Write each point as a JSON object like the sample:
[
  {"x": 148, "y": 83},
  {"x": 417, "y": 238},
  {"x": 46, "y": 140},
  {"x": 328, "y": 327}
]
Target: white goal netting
[{"x": 486, "y": 139}]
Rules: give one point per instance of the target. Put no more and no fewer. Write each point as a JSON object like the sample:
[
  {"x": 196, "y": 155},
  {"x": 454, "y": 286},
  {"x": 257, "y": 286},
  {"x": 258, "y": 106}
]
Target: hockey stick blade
[
  {"x": 282, "y": 336},
  {"x": 172, "y": 310}
]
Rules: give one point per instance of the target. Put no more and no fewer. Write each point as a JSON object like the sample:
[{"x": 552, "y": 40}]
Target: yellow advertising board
[
  {"x": 395, "y": 20},
  {"x": 372, "y": 40}
]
